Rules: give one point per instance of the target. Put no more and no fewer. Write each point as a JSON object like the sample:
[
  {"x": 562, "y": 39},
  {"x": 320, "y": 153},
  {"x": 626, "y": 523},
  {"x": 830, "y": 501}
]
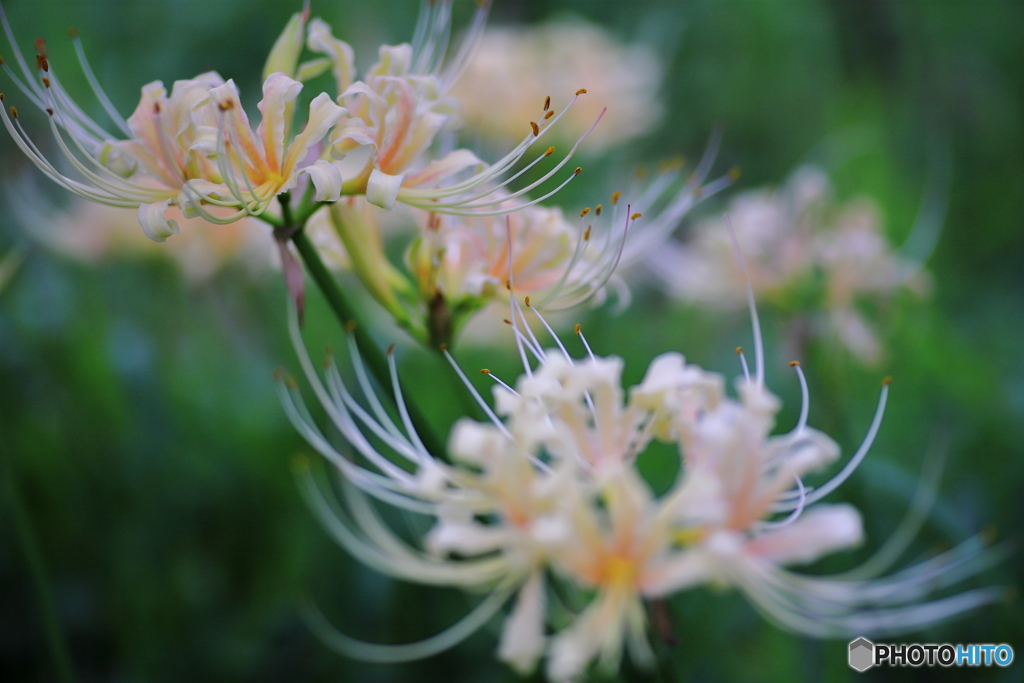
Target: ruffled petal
[
  {"x": 278, "y": 91},
  {"x": 326, "y": 179},
  {"x": 323, "y": 114},
  {"x": 393, "y": 60},
  {"x": 236, "y": 124},
  {"x": 353, "y": 133}
]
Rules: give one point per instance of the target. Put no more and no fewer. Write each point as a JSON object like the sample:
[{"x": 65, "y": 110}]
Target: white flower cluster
[
  {"x": 803, "y": 252},
  {"x": 194, "y": 148},
  {"x": 545, "y": 502}
]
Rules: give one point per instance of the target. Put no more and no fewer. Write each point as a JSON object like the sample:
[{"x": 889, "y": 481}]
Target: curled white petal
[
  {"x": 326, "y": 179},
  {"x": 156, "y": 227},
  {"x": 382, "y": 189}
]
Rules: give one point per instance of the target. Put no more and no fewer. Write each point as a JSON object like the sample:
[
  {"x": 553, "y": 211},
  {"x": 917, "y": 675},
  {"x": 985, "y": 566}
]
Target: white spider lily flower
[
  {"x": 805, "y": 251},
  {"x": 193, "y": 149},
  {"x": 468, "y": 261},
  {"x": 549, "y": 488},
  {"x": 397, "y": 119},
  {"x": 401, "y": 104},
  {"x": 552, "y": 57}
]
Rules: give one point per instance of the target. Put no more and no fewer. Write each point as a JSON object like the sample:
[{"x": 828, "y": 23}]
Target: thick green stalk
[{"x": 368, "y": 349}]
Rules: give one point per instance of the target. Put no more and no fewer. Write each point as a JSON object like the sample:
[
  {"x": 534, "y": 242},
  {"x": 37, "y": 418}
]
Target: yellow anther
[
  {"x": 547, "y": 102},
  {"x": 597, "y": 210},
  {"x": 581, "y": 91},
  {"x": 615, "y": 197},
  {"x": 635, "y": 216},
  {"x": 584, "y": 212},
  {"x": 536, "y": 128}
]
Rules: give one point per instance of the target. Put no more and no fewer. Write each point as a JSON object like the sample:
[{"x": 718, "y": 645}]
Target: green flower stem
[
  {"x": 37, "y": 569},
  {"x": 368, "y": 349}
]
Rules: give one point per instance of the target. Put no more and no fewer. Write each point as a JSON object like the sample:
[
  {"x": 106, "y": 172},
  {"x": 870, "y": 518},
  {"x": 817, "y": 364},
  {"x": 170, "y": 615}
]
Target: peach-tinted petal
[
  {"x": 323, "y": 113},
  {"x": 822, "y": 529},
  {"x": 278, "y": 91}
]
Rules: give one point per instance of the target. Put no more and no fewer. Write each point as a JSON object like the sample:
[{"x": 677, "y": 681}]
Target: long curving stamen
[
  {"x": 403, "y": 410},
  {"x": 97, "y": 90},
  {"x": 793, "y": 516},
  {"x": 474, "y": 202},
  {"x": 865, "y": 446},
  {"x": 743, "y": 363},
  {"x": 390, "y": 654},
  {"x": 804, "y": 397},
  {"x": 754, "y": 321},
  {"x": 470, "y": 40},
  {"x": 476, "y": 395},
  {"x": 579, "y": 333},
  {"x": 917, "y": 512},
  {"x": 592, "y": 284},
  {"x": 485, "y": 371}
]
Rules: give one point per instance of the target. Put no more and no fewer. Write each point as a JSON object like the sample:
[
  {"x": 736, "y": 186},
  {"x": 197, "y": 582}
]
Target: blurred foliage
[{"x": 146, "y": 462}]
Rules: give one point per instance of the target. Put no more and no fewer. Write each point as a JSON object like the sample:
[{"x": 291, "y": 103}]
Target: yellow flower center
[{"x": 618, "y": 571}]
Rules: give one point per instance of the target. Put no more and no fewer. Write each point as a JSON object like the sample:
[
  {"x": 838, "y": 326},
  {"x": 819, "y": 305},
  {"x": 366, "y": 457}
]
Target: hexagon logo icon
[{"x": 862, "y": 654}]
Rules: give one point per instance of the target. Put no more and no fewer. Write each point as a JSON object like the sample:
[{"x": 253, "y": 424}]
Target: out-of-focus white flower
[
  {"x": 193, "y": 149},
  {"x": 548, "y": 492},
  {"x": 802, "y": 250},
  {"x": 459, "y": 264},
  {"x": 514, "y": 68},
  {"x": 94, "y": 233}
]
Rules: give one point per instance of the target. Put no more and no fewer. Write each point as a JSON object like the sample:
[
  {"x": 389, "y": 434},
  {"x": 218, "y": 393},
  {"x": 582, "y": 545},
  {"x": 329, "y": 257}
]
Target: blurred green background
[{"x": 146, "y": 462}]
